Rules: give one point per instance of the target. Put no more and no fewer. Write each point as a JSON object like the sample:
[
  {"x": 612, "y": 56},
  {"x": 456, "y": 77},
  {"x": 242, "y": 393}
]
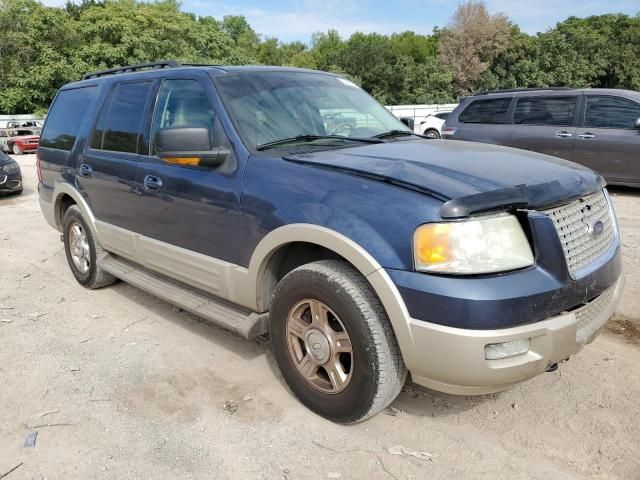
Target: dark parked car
[
  {"x": 598, "y": 128},
  {"x": 362, "y": 256},
  {"x": 10, "y": 175}
]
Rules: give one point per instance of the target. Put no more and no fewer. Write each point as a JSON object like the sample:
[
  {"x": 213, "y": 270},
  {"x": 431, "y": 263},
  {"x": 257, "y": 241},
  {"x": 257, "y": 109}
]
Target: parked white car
[{"x": 431, "y": 125}]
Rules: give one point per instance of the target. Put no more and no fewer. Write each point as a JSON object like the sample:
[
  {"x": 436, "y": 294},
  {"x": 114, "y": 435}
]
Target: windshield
[{"x": 270, "y": 106}]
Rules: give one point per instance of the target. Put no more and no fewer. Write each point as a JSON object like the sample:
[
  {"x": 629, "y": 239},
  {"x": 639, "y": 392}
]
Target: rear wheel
[
  {"x": 431, "y": 133},
  {"x": 83, "y": 251},
  {"x": 333, "y": 342},
  {"x": 15, "y": 148}
]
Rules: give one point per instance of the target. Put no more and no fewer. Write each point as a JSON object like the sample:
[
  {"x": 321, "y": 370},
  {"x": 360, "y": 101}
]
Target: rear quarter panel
[
  {"x": 492, "y": 133},
  {"x": 60, "y": 165}
]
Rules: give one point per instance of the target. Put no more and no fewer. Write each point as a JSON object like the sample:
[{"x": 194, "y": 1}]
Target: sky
[{"x": 291, "y": 20}]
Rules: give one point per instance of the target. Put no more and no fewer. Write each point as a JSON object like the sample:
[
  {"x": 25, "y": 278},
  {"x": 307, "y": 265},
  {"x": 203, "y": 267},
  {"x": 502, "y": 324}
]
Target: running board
[{"x": 246, "y": 324}]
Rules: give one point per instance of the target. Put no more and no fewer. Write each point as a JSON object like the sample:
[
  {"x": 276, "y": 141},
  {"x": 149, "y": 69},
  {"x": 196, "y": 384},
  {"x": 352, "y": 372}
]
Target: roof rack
[
  {"x": 133, "y": 68},
  {"x": 515, "y": 90}
]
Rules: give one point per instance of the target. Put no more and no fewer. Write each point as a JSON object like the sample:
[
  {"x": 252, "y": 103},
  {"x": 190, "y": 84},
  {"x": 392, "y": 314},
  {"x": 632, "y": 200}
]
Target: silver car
[{"x": 598, "y": 128}]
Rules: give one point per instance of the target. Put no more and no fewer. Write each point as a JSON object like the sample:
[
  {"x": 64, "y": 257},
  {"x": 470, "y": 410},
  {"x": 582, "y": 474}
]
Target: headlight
[
  {"x": 482, "y": 245},
  {"x": 11, "y": 168}
]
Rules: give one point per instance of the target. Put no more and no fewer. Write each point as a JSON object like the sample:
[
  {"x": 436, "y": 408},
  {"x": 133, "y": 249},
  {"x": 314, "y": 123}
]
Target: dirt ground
[{"x": 118, "y": 385}]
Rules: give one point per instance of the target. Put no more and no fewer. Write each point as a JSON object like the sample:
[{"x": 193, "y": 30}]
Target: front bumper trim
[{"x": 452, "y": 360}]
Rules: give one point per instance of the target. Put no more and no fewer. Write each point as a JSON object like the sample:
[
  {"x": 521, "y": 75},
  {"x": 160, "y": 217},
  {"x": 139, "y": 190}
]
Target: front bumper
[
  {"x": 10, "y": 183},
  {"x": 452, "y": 360}
]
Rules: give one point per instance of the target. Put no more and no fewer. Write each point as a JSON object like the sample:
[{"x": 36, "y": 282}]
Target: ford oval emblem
[{"x": 596, "y": 228}]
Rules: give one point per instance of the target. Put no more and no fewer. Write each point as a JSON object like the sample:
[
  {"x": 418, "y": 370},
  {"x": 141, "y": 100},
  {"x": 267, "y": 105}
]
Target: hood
[
  {"x": 5, "y": 160},
  {"x": 469, "y": 177},
  {"x": 25, "y": 137}
]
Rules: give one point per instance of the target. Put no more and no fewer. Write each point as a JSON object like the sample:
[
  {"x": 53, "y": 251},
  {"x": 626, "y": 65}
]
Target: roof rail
[
  {"x": 133, "y": 68},
  {"x": 515, "y": 90}
]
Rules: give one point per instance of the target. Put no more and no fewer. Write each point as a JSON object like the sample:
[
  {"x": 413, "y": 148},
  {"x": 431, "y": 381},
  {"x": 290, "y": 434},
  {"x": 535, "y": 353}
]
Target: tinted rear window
[
  {"x": 120, "y": 124},
  {"x": 557, "y": 111},
  {"x": 610, "y": 112},
  {"x": 66, "y": 116},
  {"x": 491, "y": 110}
]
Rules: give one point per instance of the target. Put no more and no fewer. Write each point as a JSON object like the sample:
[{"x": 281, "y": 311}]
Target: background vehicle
[
  {"x": 598, "y": 128},
  {"x": 24, "y": 142},
  {"x": 10, "y": 175},
  {"x": 363, "y": 256},
  {"x": 431, "y": 125},
  {"x": 20, "y": 137}
]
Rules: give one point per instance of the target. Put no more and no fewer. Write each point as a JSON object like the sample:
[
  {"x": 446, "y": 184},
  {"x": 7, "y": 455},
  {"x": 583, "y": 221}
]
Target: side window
[
  {"x": 556, "y": 111},
  {"x": 491, "y": 110},
  {"x": 121, "y": 121},
  {"x": 610, "y": 112},
  {"x": 184, "y": 103},
  {"x": 66, "y": 116}
]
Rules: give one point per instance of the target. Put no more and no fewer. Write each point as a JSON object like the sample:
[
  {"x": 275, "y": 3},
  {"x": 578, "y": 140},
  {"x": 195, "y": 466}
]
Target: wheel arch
[
  {"x": 65, "y": 195},
  {"x": 264, "y": 264}
]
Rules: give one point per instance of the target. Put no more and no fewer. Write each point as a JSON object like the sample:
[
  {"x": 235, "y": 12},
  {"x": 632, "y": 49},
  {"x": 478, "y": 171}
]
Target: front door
[
  {"x": 106, "y": 170},
  {"x": 608, "y": 141},
  {"x": 190, "y": 211},
  {"x": 544, "y": 124}
]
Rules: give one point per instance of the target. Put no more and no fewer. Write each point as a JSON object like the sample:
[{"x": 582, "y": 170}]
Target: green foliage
[{"x": 42, "y": 48}]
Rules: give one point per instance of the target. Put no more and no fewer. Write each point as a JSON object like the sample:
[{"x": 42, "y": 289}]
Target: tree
[
  {"x": 598, "y": 51},
  {"x": 518, "y": 66},
  {"x": 35, "y": 45},
  {"x": 42, "y": 48},
  {"x": 410, "y": 44},
  {"x": 472, "y": 40}
]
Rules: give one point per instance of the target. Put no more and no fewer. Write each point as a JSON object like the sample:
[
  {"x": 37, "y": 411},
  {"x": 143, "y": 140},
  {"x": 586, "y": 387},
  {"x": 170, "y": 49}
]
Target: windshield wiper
[
  {"x": 311, "y": 138},
  {"x": 398, "y": 133}
]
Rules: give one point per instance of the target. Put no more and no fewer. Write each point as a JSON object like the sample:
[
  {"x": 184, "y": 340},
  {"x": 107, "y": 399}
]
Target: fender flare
[
  {"x": 63, "y": 188},
  {"x": 360, "y": 259}
]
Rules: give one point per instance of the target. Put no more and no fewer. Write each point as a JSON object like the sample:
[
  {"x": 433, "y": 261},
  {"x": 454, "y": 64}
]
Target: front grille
[
  {"x": 586, "y": 314},
  {"x": 589, "y": 318},
  {"x": 575, "y": 226}
]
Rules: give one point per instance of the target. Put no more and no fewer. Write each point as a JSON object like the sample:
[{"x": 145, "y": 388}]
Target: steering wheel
[{"x": 342, "y": 129}]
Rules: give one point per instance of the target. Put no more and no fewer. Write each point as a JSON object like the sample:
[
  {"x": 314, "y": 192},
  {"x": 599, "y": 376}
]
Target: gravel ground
[{"x": 118, "y": 385}]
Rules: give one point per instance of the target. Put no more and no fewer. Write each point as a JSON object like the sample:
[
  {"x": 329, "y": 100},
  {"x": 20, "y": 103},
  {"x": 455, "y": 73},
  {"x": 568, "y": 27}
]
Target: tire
[
  {"x": 374, "y": 372},
  {"x": 15, "y": 148},
  {"x": 431, "y": 133},
  {"x": 85, "y": 266}
]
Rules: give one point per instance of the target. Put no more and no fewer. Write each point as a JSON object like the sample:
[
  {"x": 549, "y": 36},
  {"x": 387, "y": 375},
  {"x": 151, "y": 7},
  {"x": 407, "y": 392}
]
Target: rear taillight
[
  {"x": 448, "y": 131},
  {"x": 38, "y": 170}
]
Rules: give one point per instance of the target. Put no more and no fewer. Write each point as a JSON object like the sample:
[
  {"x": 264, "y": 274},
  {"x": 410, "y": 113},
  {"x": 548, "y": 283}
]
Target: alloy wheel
[{"x": 319, "y": 346}]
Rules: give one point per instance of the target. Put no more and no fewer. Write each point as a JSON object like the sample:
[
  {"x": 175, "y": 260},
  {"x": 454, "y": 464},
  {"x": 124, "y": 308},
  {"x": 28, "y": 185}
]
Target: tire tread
[{"x": 392, "y": 372}]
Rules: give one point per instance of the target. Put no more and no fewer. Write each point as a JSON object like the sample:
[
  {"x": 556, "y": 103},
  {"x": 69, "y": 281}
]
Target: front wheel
[
  {"x": 333, "y": 342},
  {"x": 16, "y": 149}
]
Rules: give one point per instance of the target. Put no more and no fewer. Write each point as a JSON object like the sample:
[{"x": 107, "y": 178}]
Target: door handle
[
  {"x": 586, "y": 136},
  {"x": 85, "y": 170},
  {"x": 564, "y": 134},
  {"x": 152, "y": 183}
]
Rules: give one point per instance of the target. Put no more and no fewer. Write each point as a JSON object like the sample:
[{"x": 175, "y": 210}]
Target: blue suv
[{"x": 289, "y": 203}]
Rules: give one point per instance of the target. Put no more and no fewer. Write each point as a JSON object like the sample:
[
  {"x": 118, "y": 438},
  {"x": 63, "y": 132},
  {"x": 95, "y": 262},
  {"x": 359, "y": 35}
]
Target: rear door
[
  {"x": 607, "y": 140},
  {"x": 107, "y": 167},
  {"x": 544, "y": 124},
  {"x": 483, "y": 120}
]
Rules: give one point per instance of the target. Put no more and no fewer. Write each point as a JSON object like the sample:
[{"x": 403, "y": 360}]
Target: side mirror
[
  {"x": 408, "y": 121},
  {"x": 637, "y": 123},
  {"x": 189, "y": 146}
]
